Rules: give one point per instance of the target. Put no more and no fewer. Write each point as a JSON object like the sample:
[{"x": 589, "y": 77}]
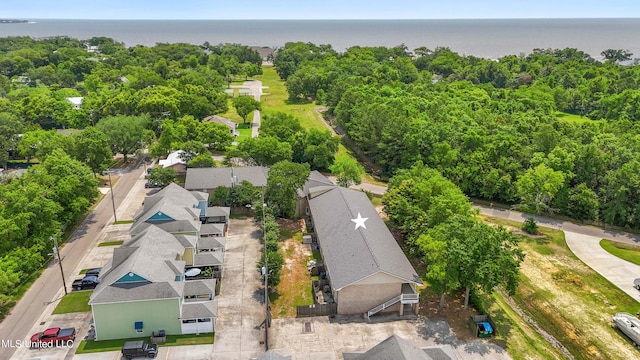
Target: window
[{"x": 138, "y": 326}]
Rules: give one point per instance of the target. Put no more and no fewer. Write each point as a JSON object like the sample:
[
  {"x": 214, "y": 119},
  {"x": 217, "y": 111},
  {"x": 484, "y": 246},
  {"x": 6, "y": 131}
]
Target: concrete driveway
[
  {"x": 620, "y": 272},
  {"x": 241, "y": 311}
]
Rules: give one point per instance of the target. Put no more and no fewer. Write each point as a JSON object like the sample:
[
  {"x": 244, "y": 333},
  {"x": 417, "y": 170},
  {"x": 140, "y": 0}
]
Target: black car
[
  {"x": 151, "y": 185},
  {"x": 88, "y": 282},
  {"x": 132, "y": 349},
  {"x": 93, "y": 272}
]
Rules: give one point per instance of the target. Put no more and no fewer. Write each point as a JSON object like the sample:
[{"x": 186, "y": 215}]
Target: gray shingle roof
[
  {"x": 176, "y": 195},
  {"x": 174, "y": 227},
  {"x": 272, "y": 355},
  {"x": 217, "y": 211},
  {"x": 211, "y": 178},
  {"x": 214, "y": 258},
  {"x": 397, "y": 348},
  {"x": 150, "y": 255},
  {"x": 188, "y": 241},
  {"x": 198, "y": 310},
  {"x": 212, "y": 242},
  {"x": 171, "y": 206},
  {"x": 352, "y": 254},
  {"x": 211, "y": 228},
  {"x": 222, "y": 120},
  {"x": 315, "y": 179},
  {"x": 199, "y": 287}
]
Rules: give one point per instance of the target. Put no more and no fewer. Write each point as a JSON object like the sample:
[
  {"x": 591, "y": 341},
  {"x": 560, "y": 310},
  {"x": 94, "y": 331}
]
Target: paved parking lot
[{"x": 327, "y": 339}]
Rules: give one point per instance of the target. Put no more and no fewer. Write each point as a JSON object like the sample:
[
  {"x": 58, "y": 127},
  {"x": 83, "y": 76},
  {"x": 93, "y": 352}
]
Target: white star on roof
[{"x": 360, "y": 221}]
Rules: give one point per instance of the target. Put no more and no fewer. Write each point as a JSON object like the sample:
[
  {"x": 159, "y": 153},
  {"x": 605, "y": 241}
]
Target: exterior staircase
[{"x": 407, "y": 297}]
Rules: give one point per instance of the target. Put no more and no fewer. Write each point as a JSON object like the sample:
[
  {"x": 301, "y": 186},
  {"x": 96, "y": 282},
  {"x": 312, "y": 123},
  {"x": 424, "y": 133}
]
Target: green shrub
[{"x": 530, "y": 226}]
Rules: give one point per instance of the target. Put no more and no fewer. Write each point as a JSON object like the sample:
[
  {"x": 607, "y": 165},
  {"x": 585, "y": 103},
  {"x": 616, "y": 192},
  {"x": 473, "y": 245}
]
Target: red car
[{"x": 53, "y": 337}]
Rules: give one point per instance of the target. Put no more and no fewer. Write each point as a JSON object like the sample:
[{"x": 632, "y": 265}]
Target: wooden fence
[{"x": 316, "y": 310}]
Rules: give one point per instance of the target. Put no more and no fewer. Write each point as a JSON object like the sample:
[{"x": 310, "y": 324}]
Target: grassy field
[
  {"x": 276, "y": 99},
  {"x": 566, "y": 298},
  {"x": 86, "y": 346},
  {"x": 624, "y": 251},
  {"x": 572, "y": 118},
  {"x": 76, "y": 301}
]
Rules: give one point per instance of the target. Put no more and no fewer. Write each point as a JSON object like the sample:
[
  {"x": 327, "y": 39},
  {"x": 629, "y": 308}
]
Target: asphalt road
[
  {"x": 562, "y": 225},
  {"x": 22, "y": 318},
  {"x": 588, "y": 230}
]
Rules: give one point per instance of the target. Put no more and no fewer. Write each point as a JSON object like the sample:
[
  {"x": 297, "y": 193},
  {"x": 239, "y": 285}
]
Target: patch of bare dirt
[
  {"x": 295, "y": 281},
  {"x": 453, "y": 311}
]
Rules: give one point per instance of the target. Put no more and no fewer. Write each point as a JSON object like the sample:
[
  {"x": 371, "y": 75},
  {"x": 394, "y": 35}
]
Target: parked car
[
  {"x": 132, "y": 349},
  {"x": 53, "y": 337},
  {"x": 151, "y": 185},
  {"x": 636, "y": 283},
  {"x": 87, "y": 282},
  {"x": 93, "y": 272}
]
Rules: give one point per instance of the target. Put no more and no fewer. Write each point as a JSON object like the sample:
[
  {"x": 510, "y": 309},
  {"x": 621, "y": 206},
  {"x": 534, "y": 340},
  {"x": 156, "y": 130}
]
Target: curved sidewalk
[{"x": 620, "y": 272}]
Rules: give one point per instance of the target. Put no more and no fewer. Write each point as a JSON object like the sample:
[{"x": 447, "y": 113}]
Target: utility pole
[
  {"x": 57, "y": 251},
  {"x": 267, "y": 320},
  {"x": 113, "y": 201}
]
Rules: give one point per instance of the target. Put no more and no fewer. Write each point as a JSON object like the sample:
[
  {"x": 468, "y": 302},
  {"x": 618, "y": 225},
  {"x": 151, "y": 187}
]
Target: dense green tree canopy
[
  {"x": 244, "y": 105},
  {"x": 486, "y": 125},
  {"x": 126, "y": 134},
  {"x": 284, "y": 179}
]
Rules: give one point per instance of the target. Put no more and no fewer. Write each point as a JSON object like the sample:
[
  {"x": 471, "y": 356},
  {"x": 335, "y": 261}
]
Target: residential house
[
  {"x": 397, "y": 348},
  {"x": 183, "y": 213},
  {"x": 22, "y": 79},
  {"x": 367, "y": 270},
  {"x": 224, "y": 121},
  {"x": 266, "y": 53},
  {"x": 143, "y": 290},
  {"x": 315, "y": 179},
  {"x": 208, "y": 179},
  {"x": 174, "y": 161},
  {"x": 174, "y": 196},
  {"x": 76, "y": 101}
]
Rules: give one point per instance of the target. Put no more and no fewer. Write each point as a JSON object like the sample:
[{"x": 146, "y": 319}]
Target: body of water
[{"x": 485, "y": 38}]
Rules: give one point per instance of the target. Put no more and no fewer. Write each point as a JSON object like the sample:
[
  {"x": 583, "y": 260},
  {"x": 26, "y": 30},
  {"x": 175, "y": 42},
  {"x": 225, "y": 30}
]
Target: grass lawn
[
  {"x": 565, "y": 297},
  {"x": 572, "y": 118},
  {"x": 244, "y": 130},
  {"x": 123, "y": 222},
  {"x": 624, "y": 251},
  {"x": 90, "y": 346},
  {"x": 111, "y": 243},
  {"x": 75, "y": 301},
  {"x": 231, "y": 114}
]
